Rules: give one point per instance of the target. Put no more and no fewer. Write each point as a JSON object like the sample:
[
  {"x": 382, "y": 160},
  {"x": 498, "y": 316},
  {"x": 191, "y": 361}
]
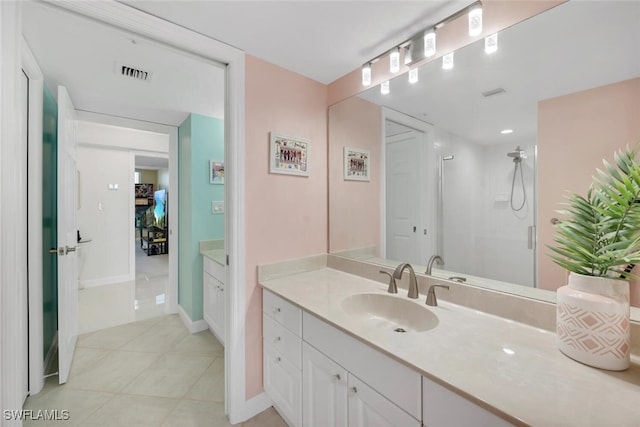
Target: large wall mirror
[{"x": 456, "y": 157}]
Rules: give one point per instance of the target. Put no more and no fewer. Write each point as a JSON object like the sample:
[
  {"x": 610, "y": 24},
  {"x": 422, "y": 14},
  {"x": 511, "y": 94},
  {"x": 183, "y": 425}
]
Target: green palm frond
[{"x": 601, "y": 233}]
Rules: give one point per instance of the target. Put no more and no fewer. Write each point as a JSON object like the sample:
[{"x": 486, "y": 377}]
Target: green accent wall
[
  {"x": 201, "y": 139},
  {"x": 49, "y": 218}
]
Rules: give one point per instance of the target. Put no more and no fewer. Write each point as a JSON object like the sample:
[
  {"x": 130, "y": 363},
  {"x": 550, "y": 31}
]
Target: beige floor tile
[
  {"x": 114, "y": 337},
  {"x": 171, "y": 320},
  {"x": 210, "y": 386},
  {"x": 79, "y": 403},
  {"x": 159, "y": 338},
  {"x": 113, "y": 372},
  {"x": 173, "y": 375},
  {"x": 193, "y": 413},
  {"x": 85, "y": 359},
  {"x": 268, "y": 418},
  {"x": 201, "y": 344},
  {"x": 132, "y": 411}
]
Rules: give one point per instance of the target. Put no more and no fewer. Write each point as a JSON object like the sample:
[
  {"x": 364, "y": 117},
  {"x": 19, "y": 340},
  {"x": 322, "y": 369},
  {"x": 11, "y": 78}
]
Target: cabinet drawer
[
  {"x": 283, "y": 384},
  {"x": 283, "y": 340},
  {"x": 398, "y": 383},
  {"x": 213, "y": 268},
  {"x": 282, "y": 312}
]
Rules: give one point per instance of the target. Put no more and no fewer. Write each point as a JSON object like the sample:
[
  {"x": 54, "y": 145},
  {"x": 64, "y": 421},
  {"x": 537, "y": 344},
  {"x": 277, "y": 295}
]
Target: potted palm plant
[{"x": 598, "y": 242}]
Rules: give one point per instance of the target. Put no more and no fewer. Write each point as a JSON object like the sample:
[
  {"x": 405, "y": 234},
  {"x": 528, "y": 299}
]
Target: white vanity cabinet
[
  {"x": 379, "y": 390},
  {"x": 282, "y": 361},
  {"x": 213, "y": 310},
  {"x": 444, "y": 408}
]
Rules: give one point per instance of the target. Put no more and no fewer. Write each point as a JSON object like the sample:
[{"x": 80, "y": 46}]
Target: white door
[
  {"x": 24, "y": 347},
  {"x": 324, "y": 390},
  {"x": 368, "y": 408},
  {"x": 67, "y": 234},
  {"x": 402, "y": 197}
]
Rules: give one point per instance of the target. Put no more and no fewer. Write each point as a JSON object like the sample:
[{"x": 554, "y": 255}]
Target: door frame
[
  {"x": 125, "y": 17},
  {"x": 427, "y": 155}
]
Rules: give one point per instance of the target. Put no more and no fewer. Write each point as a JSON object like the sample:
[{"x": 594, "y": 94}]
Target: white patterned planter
[{"x": 592, "y": 321}]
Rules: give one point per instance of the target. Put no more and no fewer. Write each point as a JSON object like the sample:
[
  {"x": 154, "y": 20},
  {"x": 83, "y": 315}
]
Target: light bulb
[
  {"x": 366, "y": 74},
  {"x": 491, "y": 43},
  {"x": 447, "y": 61},
  {"x": 384, "y": 87},
  {"x": 430, "y": 43},
  {"x": 413, "y": 75},
  {"x": 394, "y": 60},
  {"x": 475, "y": 20}
]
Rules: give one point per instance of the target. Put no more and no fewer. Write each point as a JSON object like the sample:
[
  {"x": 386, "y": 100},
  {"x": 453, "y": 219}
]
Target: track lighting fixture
[
  {"x": 491, "y": 43},
  {"x": 394, "y": 60},
  {"x": 475, "y": 19},
  {"x": 413, "y": 75},
  {"x": 447, "y": 61},
  {"x": 430, "y": 43},
  {"x": 366, "y": 74},
  {"x": 384, "y": 87}
]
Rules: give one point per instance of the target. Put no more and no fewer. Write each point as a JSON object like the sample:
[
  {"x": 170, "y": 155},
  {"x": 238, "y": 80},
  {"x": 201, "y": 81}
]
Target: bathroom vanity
[
  {"x": 213, "y": 285},
  {"x": 332, "y": 356}
]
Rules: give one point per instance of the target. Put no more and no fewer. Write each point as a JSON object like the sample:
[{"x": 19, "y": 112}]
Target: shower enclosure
[{"x": 486, "y": 211}]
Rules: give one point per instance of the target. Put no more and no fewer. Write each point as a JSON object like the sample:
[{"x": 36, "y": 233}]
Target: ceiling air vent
[
  {"x": 493, "y": 92},
  {"x": 133, "y": 72}
]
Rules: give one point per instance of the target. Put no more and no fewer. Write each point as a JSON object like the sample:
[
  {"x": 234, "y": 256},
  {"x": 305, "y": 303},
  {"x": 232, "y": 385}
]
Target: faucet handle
[
  {"x": 431, "y": 294},
  {"x": 393, "y": 288}
]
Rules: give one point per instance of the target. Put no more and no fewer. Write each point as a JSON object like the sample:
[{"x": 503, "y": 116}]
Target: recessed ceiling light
[{"x": 506, "y": 131}]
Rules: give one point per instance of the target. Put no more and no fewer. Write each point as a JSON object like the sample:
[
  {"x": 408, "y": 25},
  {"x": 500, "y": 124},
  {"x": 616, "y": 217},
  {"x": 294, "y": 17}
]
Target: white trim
[
  {"x": 257, "y": 404},
  {"x": 193, "y": 327},
  {"x": 129, "y": 19},
  {"x": 132, "y": 218},
  {"x": 34, "y": 184},
  {"x": 12, "y": 271},
  {"x": 103, "y": 281}
]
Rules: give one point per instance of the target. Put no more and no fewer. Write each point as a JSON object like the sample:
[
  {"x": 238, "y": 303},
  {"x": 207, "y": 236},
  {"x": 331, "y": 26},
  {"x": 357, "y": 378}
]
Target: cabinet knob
[
  {"x": 278, "y": 339},
  {"x": 278, "y": 359},
  {"x": 337, "y": 376},
  {"x": 276, "y": 310},
  {"x": 354, "y": 390}
]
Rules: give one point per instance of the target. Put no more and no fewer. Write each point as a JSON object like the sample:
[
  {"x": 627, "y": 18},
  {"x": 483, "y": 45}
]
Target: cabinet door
[
  {"x": 220, "y": 312},
  {"x": 368, "y": 408},
  {"x": 283, "y": 384},
  {"x": 324, "y": 386},
  {"x": 213, "y": 308}
]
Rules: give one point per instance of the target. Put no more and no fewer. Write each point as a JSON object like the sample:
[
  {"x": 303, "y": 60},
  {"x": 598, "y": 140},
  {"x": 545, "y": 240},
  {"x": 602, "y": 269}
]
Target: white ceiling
[
  {"x": 575, "y": 46},
  {"x": 323, "y": 40}
]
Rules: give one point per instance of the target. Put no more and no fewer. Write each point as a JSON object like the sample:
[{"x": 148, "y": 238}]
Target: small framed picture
[
  {"x": 288, "y": 155},
  {"x": 356, "y": 164},
  {"x": 216, "y": 172}
]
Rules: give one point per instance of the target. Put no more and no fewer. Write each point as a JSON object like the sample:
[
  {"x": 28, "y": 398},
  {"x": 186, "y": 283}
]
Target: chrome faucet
[
  {"x": 434, "y": 258},
  {"x": 393, "y": 288},
  {"x": 431, "y": 294},
  {"x": 413, "y": 283}
]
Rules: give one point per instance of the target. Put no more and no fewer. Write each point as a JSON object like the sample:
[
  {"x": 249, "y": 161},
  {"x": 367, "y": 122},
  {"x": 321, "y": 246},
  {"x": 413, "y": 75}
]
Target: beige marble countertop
[
  {"x": 512, "y": 369},
  {"x": 214, "y": 250}
]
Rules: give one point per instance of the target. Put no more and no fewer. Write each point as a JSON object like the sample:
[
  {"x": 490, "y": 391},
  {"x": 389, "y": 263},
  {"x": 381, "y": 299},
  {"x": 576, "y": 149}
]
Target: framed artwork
[
  {"x": 356, "y": 164},
  {"x": 288, "y": 155},
  {"x": 216, "y": 172}
]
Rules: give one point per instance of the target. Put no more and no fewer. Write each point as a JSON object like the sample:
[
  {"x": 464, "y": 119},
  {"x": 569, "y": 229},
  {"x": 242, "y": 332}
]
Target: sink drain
[{"x": 399, "y": 330}]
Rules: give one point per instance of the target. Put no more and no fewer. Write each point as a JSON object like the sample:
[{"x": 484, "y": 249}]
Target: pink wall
[
  {"x": 286, "y": 216},
  {"x": 355, "y": 123},
  {"x": 497, "y": 15},
  {"x": 575, "y": 132}
]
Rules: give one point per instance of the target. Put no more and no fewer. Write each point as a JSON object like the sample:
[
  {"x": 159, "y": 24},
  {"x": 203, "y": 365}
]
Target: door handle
[
  {"x": 70, "y": 249},
  {"x": 57, "y": 251}
]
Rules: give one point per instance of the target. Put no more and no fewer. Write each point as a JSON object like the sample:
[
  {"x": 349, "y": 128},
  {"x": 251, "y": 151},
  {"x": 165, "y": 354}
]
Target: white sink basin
[{"x": 388, "y": 312}]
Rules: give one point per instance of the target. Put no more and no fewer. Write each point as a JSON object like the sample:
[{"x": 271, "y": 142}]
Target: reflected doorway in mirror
[{"x": 356, "y": 164}]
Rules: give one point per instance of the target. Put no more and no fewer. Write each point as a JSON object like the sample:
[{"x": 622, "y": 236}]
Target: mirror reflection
[{"x": 455, "y": 156}]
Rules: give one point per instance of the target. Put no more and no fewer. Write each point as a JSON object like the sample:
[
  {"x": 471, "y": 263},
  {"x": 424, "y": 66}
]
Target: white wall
[
  {"x": 106, "y": 156},
  {"x": 163, "y": 179}
]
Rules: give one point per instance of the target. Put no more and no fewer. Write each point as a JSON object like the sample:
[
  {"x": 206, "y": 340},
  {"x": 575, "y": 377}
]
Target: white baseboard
[
  {"x": 193, "y": 327},
  {"x": 92, "y": 283},
  {"x": 253, "y": 407}
]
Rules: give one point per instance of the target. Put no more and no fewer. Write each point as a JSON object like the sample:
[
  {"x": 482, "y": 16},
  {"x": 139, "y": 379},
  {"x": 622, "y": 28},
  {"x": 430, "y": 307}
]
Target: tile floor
[
  {"x": 146, "y": 373},
  {"x": 119, "y": 303}
]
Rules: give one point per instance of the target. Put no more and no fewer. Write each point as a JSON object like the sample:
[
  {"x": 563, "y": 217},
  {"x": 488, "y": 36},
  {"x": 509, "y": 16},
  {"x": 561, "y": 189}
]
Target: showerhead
[{"x": 517, "y": 154}]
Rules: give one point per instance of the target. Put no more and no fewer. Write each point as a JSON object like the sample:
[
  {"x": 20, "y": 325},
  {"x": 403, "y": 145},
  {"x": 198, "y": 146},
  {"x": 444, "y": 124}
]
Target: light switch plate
[{"x": 217, "y": 207}]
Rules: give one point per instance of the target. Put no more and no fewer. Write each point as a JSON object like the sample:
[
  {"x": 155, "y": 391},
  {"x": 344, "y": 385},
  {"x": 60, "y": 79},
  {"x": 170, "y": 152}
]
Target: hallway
[{"x": 147, "y": 373}]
